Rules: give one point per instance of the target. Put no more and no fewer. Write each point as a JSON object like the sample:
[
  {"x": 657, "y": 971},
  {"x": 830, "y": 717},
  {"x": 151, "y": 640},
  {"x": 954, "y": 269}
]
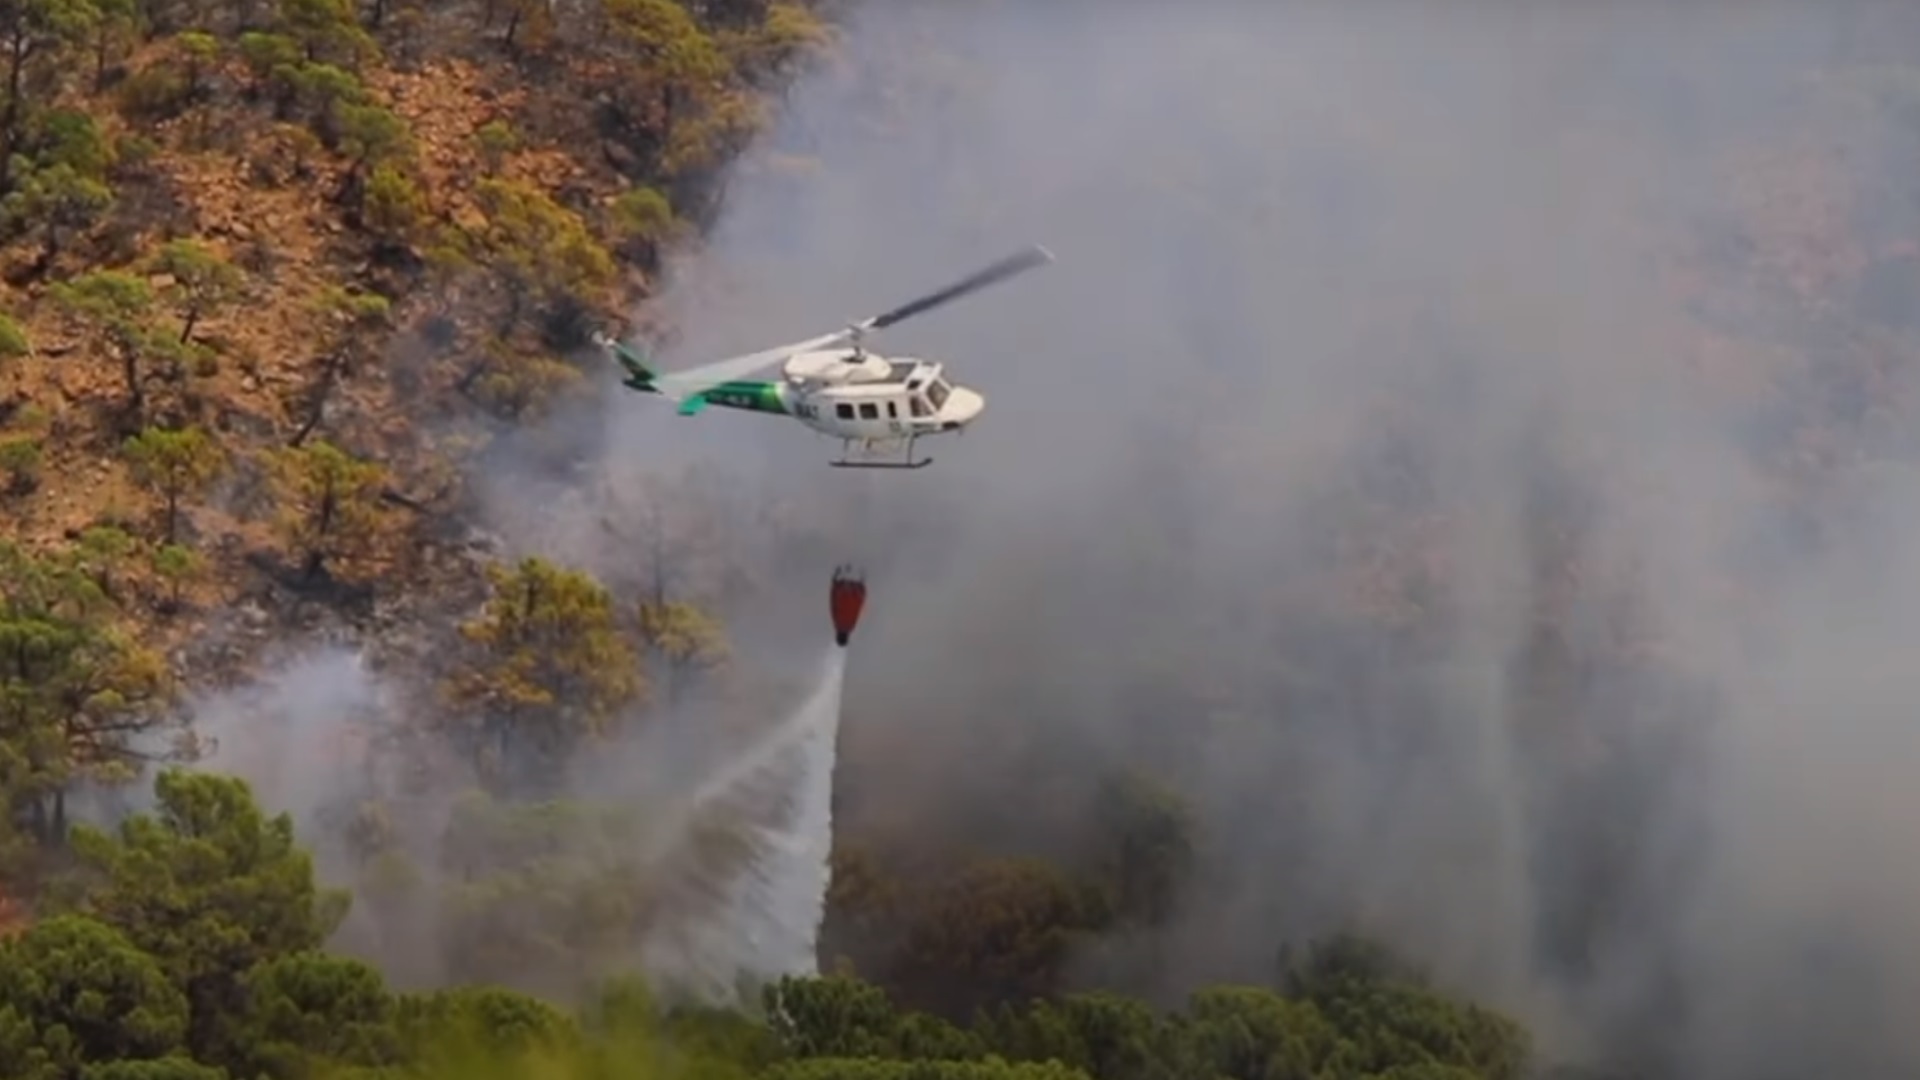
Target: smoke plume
[{"x": 1366, "y": 465}]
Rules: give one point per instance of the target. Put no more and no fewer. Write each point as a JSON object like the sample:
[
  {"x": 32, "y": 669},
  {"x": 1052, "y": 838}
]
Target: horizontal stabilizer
[{"x": 638, "y": 375}]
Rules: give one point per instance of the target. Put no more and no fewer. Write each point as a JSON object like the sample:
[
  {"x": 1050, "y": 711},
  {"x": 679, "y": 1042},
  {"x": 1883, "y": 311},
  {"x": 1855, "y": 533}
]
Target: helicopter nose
[{"x": 962, "y": 406}]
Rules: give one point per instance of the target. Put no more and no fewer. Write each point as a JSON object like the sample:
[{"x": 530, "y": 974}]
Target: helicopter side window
[
  {"x": 893, "y": 411},
  {"x": 844, "y": 411},
  {"x": 918, "y": 405},
  {"x": 937, "y": 393},
  {"x": 869, "y": 411}
]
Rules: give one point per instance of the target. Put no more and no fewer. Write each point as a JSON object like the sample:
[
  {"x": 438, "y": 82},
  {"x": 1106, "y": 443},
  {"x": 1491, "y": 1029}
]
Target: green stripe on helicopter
[{"x": 750, "y": 395}]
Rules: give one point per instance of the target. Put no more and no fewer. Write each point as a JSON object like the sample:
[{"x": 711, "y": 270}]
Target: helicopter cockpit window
[
  {"x": 919, "y": 406},
  {"x": 937, "y": 393}
]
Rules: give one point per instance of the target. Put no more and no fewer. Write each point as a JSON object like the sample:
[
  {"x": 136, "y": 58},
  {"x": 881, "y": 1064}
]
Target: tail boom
[{"x": 744, "y": 394}]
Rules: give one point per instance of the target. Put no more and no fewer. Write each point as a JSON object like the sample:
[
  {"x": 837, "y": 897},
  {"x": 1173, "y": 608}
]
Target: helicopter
[{"x": 833, "y": 385}]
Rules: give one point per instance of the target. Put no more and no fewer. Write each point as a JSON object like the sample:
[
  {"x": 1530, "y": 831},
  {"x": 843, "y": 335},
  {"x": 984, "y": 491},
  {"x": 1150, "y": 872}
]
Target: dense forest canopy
[
  {"x": 1427, "y": 598},
  {"x": 190, "y": 950}
]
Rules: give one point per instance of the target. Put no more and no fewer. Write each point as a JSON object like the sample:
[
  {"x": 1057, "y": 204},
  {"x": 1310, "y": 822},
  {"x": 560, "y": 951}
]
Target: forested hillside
[
  {"x": 278, "y": 276},
  {"x": 1427, "y": 601},
  {"x": 275, "y": 275}
]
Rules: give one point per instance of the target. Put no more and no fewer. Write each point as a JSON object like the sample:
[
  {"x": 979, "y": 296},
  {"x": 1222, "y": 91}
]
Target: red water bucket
[{"x": 848, "y": 594}]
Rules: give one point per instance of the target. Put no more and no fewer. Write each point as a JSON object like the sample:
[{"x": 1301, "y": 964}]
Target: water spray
[{"x": 764, "y": 921}]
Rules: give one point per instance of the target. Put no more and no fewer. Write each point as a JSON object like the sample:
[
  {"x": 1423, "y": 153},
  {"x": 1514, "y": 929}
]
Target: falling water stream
[
  {"x": 738, "y": 863},
  {"x": 753, "y": 843}
]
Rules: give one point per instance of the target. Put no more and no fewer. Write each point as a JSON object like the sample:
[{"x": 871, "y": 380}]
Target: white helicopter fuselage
[
  {"x": 865, "y": 396},
  {"x": 832, "y": 384}
]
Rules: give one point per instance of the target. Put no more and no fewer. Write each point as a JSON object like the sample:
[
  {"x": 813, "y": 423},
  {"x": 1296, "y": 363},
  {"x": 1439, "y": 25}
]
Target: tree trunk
[
  {"x": 472, "y": 375},
  {"x": 516, "y": 304},
  {"x": 322, "y": 390},
  {"x": 136, "y": 396},
  {"x": 349, "y": 190},
  {"x": 17, "y": 51},
  {"x": 317, "y": 553},
  {"x": 49, "y": 250}
]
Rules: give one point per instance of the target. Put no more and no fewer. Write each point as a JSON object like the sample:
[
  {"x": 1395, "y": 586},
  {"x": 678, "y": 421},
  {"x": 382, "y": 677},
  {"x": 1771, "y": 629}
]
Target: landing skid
[
  {"x": 845, "y": 464},
  {"x": 847, "y": 461}
]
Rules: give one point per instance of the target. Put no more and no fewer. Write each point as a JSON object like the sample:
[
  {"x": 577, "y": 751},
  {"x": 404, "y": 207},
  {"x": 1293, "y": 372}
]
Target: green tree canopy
[
  {"x": 330, "y": 504},
  {"x": 210, "y": 886},
  {"x": 76, "y": 691},
  {"x": 551, "y": 667},
  {"x": 997, "y": 930},
  {"x": 307, "y": 1010},
  {"x": 173, "y": 464},
  {"x": 534, "y": 888},
  {"x": 82, "y": 993},
  {"x": 543, "y": 252},
  {"x": 116, "y": 306},
  {"x": 199, "y": 281}
]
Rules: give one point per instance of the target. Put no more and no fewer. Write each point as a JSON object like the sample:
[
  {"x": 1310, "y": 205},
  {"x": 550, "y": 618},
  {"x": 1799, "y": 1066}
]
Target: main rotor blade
[
  {"x": 680, "y": 385},
  {"x": 1013, "y": 264},
  {"x": 685, "y": 384}
]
